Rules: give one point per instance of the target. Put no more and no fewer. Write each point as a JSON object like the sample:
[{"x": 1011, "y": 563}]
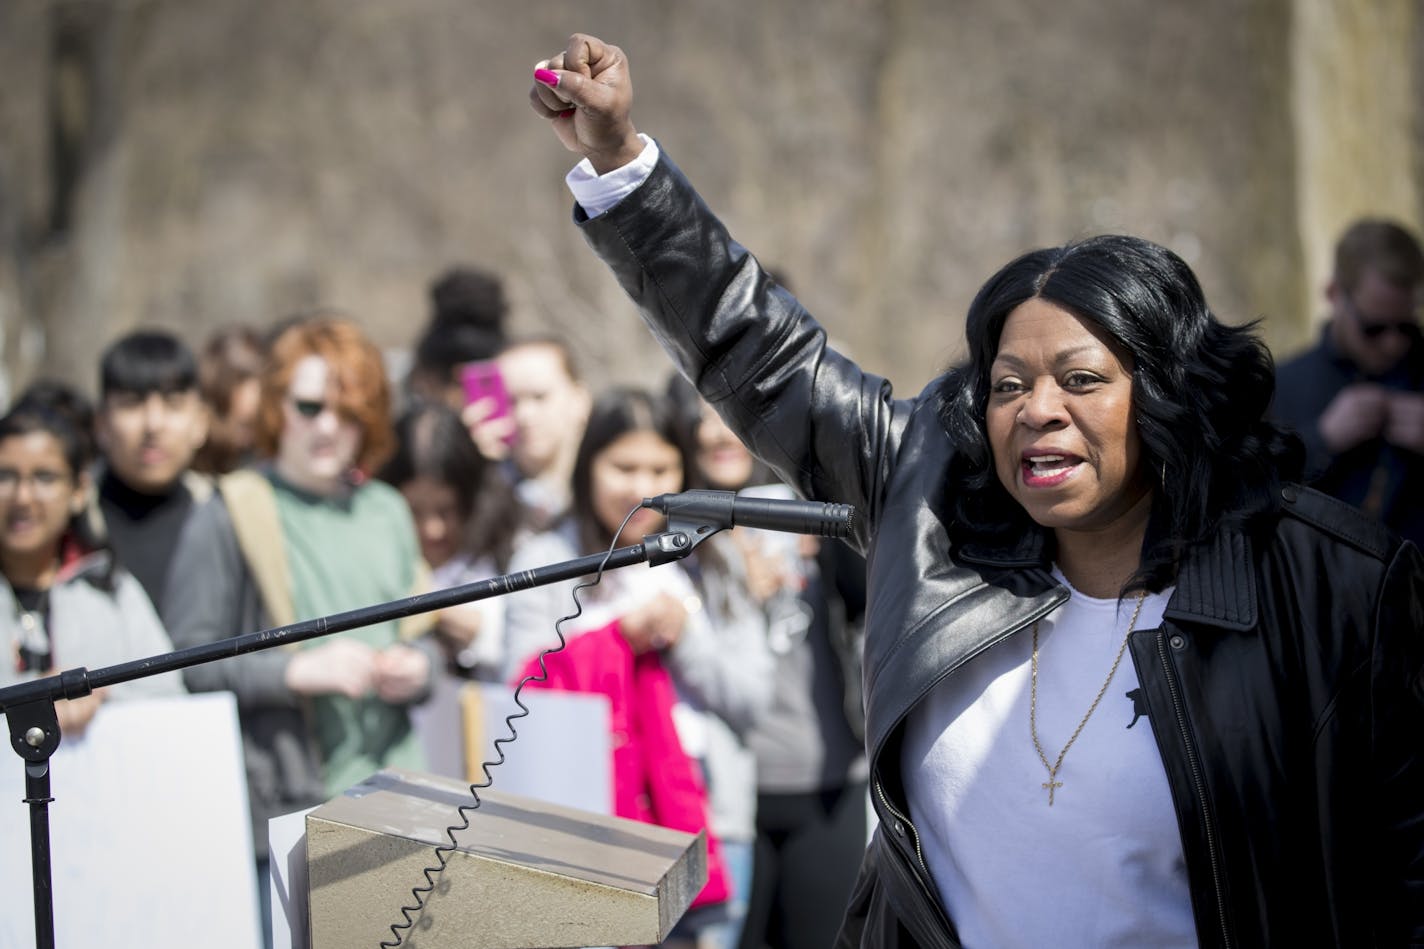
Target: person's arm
[
  {"x": 722, "y": 660},
  {"x": 404, "y": 673},
  {"x": 530, "y": 615},
  {"x": 1358, "y": 413},
  {"x": 1405, "y": 426},
  {"x": 144, "y": 636},
  {"x": 753, "y": 352},
  {"x": 204, "y": 602}
]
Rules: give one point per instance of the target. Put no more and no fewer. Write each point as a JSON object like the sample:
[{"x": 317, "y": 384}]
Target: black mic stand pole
[{"x": 34, "y": 728}]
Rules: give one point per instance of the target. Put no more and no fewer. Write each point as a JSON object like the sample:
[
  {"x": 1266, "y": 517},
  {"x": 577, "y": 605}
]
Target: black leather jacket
[{"x": 1285, "y": 686}]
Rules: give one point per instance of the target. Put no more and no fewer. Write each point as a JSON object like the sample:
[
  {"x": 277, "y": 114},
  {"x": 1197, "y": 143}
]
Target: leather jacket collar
[{"x": 1216, "y": 584}]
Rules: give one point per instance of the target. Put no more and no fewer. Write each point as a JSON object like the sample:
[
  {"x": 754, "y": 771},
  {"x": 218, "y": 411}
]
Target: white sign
[
  {"x": 287, "y": 842},
  {"x": 562, "y": 752},
  {"x": 149, "y": 831}
]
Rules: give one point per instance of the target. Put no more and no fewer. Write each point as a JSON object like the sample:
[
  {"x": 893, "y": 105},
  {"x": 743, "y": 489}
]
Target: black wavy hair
[
  {"x": 432, "y": 442},
  {"x": 1200, "y": 392}
]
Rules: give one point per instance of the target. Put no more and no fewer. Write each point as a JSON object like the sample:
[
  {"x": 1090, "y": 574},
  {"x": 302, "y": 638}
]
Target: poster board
[
  {"x": 562, "y": 753},
  {"x": 149, "y": 832}
]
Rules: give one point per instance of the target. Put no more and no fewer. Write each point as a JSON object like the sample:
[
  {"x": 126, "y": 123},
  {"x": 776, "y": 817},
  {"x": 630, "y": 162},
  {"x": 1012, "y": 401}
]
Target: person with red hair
[{"x": 306, "y": 534}]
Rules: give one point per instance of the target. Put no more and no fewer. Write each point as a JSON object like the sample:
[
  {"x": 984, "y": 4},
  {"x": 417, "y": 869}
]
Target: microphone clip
[{"x": 683, "y": 534}]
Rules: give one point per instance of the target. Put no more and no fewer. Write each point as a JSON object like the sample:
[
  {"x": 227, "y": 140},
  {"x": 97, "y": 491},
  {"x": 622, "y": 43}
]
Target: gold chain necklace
[{"x": 1051, "y": 785}]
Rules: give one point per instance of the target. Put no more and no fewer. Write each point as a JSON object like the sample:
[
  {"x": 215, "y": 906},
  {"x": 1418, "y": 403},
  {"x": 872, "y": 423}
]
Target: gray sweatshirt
[{"x": 93, "y": 627}]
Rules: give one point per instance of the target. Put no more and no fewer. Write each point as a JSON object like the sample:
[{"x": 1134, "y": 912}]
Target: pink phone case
[{"x": 482, "y": 380}]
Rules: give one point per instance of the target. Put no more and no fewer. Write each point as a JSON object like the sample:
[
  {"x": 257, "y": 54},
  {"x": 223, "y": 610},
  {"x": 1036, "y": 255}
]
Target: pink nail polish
[{"x": 547, "y": 77}]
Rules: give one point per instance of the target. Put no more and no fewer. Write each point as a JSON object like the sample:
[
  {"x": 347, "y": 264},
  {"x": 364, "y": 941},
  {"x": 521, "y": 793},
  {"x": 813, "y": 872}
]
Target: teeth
[{"x": 1047, "y": 466}]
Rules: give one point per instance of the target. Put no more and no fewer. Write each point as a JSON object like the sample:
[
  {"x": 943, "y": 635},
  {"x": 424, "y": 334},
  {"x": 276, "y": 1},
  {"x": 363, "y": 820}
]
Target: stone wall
[{"x": 190, "y": 163}]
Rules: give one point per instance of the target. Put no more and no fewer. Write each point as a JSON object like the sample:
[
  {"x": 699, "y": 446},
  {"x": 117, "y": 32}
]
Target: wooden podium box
[{"x": 525, "y": 873}]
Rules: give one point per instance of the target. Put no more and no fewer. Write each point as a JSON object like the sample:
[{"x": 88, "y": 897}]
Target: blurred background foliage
[{"x": 194, "y": 163}]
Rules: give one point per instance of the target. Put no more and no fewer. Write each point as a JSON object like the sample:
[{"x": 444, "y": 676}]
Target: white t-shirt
[{"x": 1103, "y": 865}]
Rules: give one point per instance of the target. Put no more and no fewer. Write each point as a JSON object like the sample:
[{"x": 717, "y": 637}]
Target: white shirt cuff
[{"x": 597, "y": 193}]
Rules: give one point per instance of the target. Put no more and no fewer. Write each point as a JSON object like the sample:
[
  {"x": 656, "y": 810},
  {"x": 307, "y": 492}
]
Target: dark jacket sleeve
[
  {"x": 1397, "y": 697},
  {"x": 827, "y": 428},
  {"x": 211, "y": 596}
]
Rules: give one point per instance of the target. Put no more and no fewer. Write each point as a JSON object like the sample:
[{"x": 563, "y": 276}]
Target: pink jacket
[{"x": 654, "y": 781}]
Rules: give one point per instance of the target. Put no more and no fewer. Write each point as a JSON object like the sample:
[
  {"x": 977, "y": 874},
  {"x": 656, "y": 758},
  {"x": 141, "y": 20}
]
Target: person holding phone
[{"x": 535, "y": 426}]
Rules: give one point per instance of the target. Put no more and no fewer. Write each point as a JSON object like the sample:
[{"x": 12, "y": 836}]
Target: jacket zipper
[
  {"x": 922, "y": 879},
  {"x": 1199, "y": 784},
  {"x": 904, "y": 821}
]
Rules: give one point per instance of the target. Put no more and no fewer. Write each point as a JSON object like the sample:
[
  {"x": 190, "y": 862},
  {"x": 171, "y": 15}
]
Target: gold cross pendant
[{"x": 1050, "y": 786}]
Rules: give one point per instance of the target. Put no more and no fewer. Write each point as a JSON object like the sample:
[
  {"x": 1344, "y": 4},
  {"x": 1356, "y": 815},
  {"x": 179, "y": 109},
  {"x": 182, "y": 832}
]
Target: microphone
[{"x": 728, "y": 509}]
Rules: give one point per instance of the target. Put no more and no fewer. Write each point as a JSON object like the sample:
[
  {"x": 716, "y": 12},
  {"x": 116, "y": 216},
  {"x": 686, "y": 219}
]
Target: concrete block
[{"x": 525, "y": 873}]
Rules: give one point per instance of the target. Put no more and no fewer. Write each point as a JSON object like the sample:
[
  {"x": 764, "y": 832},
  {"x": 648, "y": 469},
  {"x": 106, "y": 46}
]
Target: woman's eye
[
  {"x": 1006, "y": 386},
  {"x": 1080, "y": 380}
]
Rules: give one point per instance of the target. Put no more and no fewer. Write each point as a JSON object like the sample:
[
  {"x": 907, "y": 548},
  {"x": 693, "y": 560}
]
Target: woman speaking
[{"x": 1126, "y": 683}]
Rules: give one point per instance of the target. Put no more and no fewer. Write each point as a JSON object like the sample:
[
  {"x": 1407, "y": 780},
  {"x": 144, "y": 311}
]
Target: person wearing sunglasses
[
  {"x": 307, "y": 534},
  {"x": 1357, "y": 396}
]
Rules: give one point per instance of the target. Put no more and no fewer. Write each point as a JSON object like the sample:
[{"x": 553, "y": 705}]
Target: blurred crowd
[{"x": 274, "y": 473}]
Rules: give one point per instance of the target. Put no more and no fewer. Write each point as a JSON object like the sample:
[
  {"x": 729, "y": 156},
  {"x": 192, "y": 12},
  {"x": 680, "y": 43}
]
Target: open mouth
[
  {"x": 1046, "y": 469},
  {"x": 22, "y": 532}
]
